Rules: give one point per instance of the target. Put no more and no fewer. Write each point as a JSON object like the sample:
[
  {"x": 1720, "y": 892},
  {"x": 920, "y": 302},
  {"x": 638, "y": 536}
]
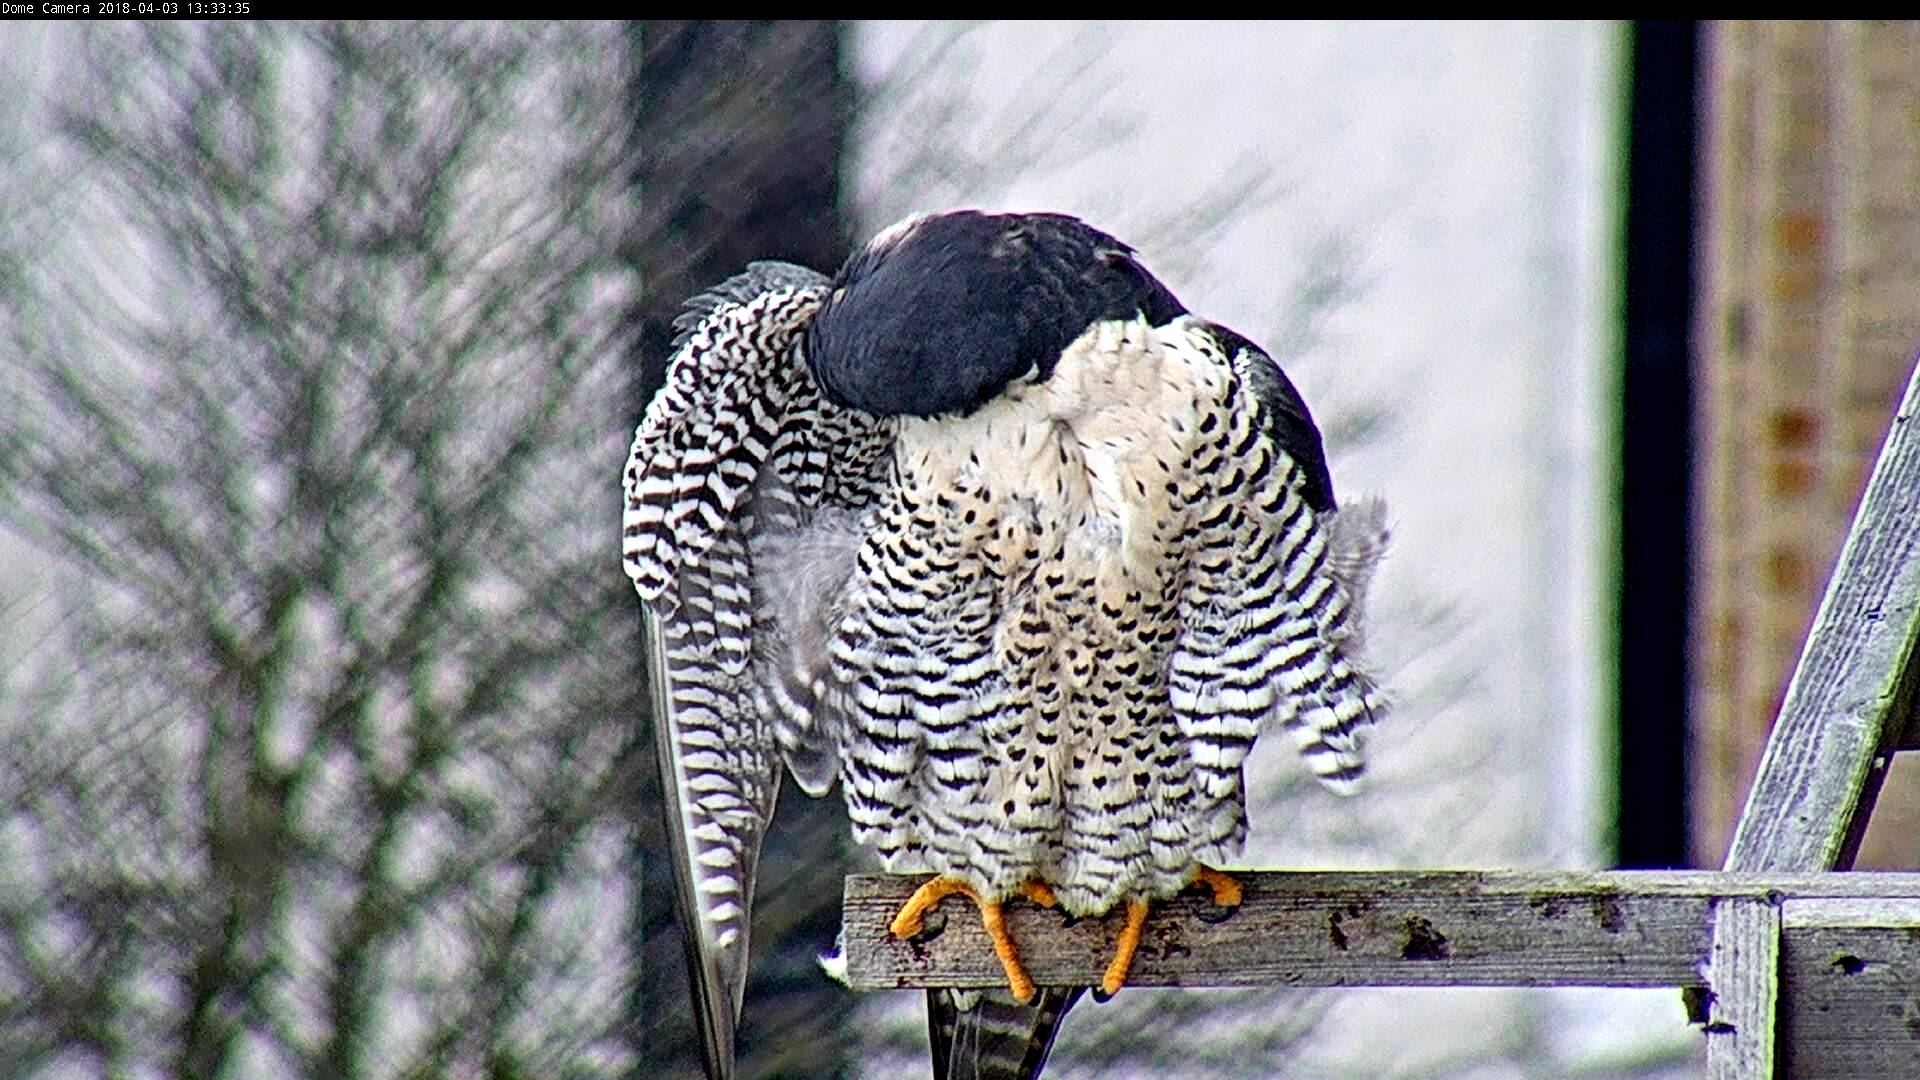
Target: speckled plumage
[
  {"x": 1033, "y": 627},
  {"x": 737, "y": 446},
  {"x": 1073, "y": 612}
]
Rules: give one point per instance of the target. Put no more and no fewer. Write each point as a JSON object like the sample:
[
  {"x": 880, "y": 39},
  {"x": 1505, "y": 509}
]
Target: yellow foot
[
  {"x": 1116, "y": 976},
  {"x": 912, "y": 918},
  {"x": 1226, "y": 890},
  {"x": 1040, "y": 893}
]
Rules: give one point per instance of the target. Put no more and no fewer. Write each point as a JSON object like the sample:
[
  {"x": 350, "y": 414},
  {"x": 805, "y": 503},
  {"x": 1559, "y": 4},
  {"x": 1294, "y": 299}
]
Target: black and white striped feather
[
  {"x": 737, "y": 452},
  {"x": 994, "y": 532},
  {"x": 1078, "y": 606},
  {"x": 986, "y": 1035}
]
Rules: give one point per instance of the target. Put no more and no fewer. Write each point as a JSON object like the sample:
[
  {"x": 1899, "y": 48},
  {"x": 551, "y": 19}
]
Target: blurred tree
[
  {"x": 321, "y": 402},
  {"x": 314, "y": 344}
]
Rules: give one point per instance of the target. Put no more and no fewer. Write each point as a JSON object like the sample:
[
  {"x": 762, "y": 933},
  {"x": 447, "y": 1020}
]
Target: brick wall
[{"x": 1809, "y": 273}]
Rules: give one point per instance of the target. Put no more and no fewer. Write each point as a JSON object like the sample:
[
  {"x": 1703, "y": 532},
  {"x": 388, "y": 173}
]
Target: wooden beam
[
  {"x": 1856, "y": 684},
  {"x": 1382, "y": 928},
  {"x": 1744, "y": 970},
  {"x": 1850, "y": 985}
]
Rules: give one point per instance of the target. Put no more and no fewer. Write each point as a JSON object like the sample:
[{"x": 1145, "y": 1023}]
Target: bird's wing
[
  {"x": 736, "y": 455},
  {"x": 1283, "y": 414},
  {"x": 1271, "y": 607}
]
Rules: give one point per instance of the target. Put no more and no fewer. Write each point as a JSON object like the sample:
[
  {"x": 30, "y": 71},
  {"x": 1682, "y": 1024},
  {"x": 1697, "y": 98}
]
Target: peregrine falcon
[{"x": 992, "y": 531}]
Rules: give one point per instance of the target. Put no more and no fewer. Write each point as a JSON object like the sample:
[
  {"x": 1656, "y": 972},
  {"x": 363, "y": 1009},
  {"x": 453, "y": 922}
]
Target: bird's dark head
[{"x": 938, "y": 314}]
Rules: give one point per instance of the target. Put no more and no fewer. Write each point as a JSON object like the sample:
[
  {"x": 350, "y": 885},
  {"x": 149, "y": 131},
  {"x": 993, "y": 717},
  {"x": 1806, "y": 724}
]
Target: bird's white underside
[
  {"x": 1045, "y": 647},
  {"x": 1085, "y": 478}
]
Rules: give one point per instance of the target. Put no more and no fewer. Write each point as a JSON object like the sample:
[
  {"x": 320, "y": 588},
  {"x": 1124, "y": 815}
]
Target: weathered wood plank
[
  {"x": 1391, "y": 928},
  {"x": 1856, "y": 684},
  {"x": 1743, "y": 969},
  {"x": 1861, "y": 911},
  {"x": 1850, "y": 990}
]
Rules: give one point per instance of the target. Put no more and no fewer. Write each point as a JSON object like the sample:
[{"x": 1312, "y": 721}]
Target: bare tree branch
[{"x": 319, "y": 420}]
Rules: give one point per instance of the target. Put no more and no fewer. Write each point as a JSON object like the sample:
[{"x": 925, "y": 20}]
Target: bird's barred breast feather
[
  {"x": 1074, "y": 611},
  {"x": 1033, "y": 627}
]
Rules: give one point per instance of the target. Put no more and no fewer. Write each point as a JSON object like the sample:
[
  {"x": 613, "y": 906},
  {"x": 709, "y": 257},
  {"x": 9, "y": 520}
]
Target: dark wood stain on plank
[{"x": 1377, "y": 928}]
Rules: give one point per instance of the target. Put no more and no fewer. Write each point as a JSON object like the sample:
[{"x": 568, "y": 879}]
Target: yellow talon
[
  {"x": 1226, "y": 890},
  {"x": 1116, "y": 976},
  {"x": 1227, "y": 893},
  {"x": 912, "y": 918}
]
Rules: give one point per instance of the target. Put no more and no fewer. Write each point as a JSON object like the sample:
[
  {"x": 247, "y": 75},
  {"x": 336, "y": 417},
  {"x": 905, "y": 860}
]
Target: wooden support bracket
[
  {"x": 1743, "y": 972},
  {"x": 1850, "y": 983},
  {"x": 1858, "y": 682}
]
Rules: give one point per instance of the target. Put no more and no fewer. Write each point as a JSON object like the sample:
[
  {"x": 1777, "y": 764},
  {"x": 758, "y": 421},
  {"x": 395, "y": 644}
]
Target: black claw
[
  {"x": 1100, "y": 996},
  {"x": 932, "y": 925},
  {"x": 1216, "y": 913},
  {"x": 1068, "y": 918}
]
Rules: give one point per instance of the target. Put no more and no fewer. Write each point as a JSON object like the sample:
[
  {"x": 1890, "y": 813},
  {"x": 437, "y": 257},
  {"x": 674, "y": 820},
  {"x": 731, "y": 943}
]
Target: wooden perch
[{"x": 1381, "y": 928}]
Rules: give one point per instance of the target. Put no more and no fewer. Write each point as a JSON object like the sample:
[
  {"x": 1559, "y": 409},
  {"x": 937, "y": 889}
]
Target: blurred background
[{"x": 322, "y": 752}]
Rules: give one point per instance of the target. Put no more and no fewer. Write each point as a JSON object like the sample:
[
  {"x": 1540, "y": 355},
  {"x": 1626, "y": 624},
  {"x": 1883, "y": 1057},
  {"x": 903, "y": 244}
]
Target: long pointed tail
[{"x": 986, "y": 1035}]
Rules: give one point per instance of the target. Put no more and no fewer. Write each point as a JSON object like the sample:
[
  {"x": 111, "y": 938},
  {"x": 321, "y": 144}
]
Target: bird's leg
[
  {"x": 1116, "y": 975},
  {"x": 1017, "y": 980},
  {"x": 1227, "y": 893},
  {"x": 912, "y": 917},
  {"x": 1225, "y": 888}
]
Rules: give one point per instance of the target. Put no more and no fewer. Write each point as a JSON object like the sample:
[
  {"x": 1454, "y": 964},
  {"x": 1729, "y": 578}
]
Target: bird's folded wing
[{"x": 734, "y": 449}]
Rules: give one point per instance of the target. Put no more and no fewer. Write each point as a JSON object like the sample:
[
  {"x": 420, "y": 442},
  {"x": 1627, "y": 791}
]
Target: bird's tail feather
[{"x": 986, "y": 1035}]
